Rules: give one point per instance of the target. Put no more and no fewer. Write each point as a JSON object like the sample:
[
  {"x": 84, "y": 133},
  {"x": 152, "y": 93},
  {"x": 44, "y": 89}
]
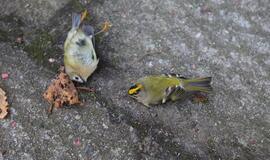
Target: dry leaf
[
  {"x": 61, "y": 91},
  {"x": 3, "y": 104},
  {"x": 106, "y": 26},
  {"x": 83, "y": 15}
]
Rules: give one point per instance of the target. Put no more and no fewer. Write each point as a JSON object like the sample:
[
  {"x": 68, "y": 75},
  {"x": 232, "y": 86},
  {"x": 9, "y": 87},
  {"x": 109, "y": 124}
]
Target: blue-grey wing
[
  {"x": 89, "y": 31},
  {"x": 76, "y": 20}
]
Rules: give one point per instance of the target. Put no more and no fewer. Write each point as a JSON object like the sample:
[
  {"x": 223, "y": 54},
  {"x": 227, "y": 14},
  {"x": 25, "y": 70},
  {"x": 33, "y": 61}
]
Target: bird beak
[
  {"x": 84, "y": 80},
  {"x": 133, "y": 96}
]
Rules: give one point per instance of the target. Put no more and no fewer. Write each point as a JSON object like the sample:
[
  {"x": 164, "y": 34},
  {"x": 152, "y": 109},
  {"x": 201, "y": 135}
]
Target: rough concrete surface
[{"x": 228, "y": 40}]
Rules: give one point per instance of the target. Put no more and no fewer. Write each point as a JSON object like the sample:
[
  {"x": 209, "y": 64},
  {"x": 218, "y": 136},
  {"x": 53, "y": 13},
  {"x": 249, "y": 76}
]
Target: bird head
[
  {"x": 135, "y": 90},
  {"x": 77, "y": 78}
]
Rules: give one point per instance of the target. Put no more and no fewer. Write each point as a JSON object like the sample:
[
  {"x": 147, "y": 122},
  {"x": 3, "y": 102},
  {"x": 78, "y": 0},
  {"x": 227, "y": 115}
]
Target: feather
[
  {"x": 76, "y": 20},
  {"x": 174, "y": 75},
  {"x": 198, "y": 84},
  {"x": 178, "y": 89},
  {"x": 89, "y": 31}
]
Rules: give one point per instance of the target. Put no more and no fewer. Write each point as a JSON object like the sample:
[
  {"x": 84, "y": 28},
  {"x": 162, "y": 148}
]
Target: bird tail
[
  {"x": 76, "y": 20},
  {"x": 198, "y": 84}
]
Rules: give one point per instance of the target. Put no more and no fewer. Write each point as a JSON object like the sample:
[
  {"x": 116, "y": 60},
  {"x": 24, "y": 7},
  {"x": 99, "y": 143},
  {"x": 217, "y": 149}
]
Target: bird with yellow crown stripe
[{"x": 159, "y": 89}]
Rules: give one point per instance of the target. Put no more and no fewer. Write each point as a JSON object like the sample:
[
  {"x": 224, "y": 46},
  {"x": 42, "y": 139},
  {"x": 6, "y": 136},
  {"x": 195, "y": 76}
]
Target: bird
[
  {"x": 158, "y": 89},
  {"x": 80, "y": 58}
]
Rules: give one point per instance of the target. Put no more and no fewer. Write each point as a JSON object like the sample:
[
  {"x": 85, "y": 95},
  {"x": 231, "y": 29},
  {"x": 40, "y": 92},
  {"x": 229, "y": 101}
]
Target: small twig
[{"x": 87, "y": 89}]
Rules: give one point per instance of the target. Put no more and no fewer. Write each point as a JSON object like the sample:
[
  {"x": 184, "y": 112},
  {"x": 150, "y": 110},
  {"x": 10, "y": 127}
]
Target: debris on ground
[
  {"x": 77, "y": 142},
  {"x": 19, "y": 40},
  {"x": 3, "y": 104},
  {"x": 4, "y": 76},
  {"x": 61, "y": 91},
  {"x": 51, "y": 60},
  {"x": 199, "y": 98},
  {"x": 105, "y": 27}
]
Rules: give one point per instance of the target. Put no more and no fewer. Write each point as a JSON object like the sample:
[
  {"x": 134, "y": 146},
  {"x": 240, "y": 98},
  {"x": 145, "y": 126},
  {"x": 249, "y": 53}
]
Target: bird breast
[{"x": 83, "y": 54}]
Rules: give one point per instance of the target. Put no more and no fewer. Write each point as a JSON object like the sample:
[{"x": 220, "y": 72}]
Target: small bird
[
  {"x": 159, "y": 89},
  {"x": 80, "y": 57}
]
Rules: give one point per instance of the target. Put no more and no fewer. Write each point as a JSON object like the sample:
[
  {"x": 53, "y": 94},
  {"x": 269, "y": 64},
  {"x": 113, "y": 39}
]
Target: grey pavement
[{"x": 228, "y": 40}]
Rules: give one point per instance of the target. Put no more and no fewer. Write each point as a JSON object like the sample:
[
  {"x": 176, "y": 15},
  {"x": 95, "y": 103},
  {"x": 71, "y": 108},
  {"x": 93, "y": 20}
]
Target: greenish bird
[
  {"x": 80, "y": 57},
  {"x": 159, "y": 89}
]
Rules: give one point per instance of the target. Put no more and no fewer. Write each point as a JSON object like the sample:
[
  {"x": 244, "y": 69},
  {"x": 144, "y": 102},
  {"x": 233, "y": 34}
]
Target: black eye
[{"x": 77, "y": 78}]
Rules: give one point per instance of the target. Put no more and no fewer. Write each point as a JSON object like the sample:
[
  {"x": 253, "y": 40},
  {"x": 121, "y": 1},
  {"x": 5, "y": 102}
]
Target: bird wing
[
  {"x": 176, "y": 90},
  {"x": 175, "y": 75},
  {"x": 89, "y": 31},
  {"x": 81, "y": 48}
]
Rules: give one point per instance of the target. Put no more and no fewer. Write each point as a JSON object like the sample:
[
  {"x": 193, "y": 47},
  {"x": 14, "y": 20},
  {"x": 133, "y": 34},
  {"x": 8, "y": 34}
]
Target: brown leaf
[
  {"x": 61, "y": 91},
  {"x": 3, "y": 104},
  {"x": 106, "y": 26},
  {"x": 84, "y": 14}
]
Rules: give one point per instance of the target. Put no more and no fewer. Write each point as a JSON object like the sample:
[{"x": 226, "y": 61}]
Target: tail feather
[
  {"x": 198, "y": 84},
  {"x": 76, "y": 20}
]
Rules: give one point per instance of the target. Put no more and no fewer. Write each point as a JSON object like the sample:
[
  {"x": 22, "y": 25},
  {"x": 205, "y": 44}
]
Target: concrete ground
[{"x": 228, "y": 40}]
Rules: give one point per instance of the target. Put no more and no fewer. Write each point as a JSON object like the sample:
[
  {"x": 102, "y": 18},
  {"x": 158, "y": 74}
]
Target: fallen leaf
[
  {"x": 61, "y": 91},
  {"x": 86, "y": 89},
  {"x": 106, "y": 26},
  {"x": 3, "y": 104}
]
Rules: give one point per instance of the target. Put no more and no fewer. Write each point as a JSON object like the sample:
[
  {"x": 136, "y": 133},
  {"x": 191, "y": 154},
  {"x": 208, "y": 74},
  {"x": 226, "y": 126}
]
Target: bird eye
[{"x": 78, "y": 79}]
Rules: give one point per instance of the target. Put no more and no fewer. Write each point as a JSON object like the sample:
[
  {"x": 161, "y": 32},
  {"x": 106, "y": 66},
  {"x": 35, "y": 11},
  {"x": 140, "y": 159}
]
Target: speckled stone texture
[{"x": 228, "y": 40}]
